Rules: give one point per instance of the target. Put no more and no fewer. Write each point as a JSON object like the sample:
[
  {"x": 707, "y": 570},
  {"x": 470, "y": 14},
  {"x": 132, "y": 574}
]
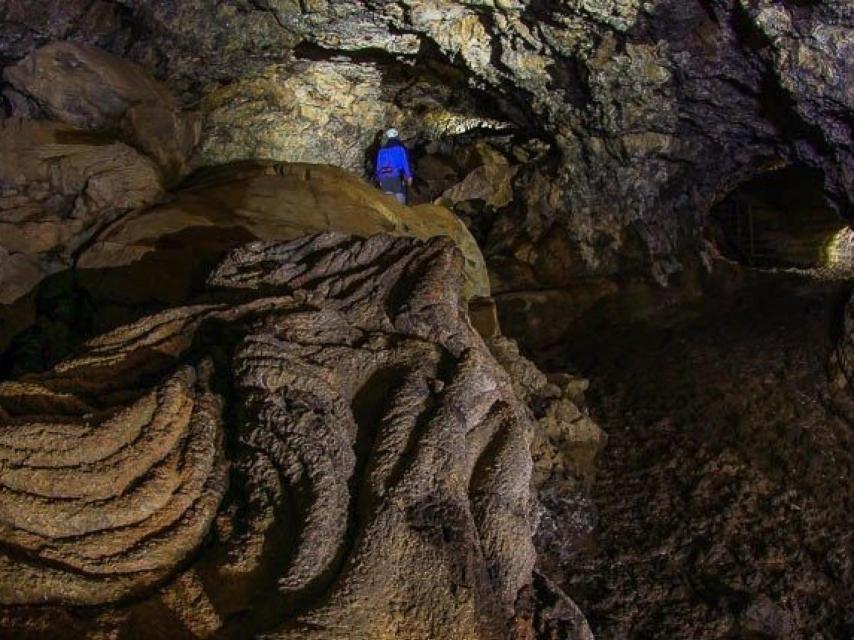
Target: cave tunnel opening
[{"x": 781, "y": 219}]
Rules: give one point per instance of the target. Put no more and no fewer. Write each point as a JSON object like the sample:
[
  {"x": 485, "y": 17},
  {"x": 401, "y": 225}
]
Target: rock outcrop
[
  {"x": 321, "y": 113},
  {"x": 92, "y": 141},
  {"x": 58, "y": 186},
  {"x": 231, "y": 204},
  {"x": 91, "y": 89},
  {"x": 623, "y": 123},
  {"x": 327, "y": 449},
  {"x": 121, "y": 257},
  {"x": 89, "y": 137},
  {"x": 313, "y": 442}
]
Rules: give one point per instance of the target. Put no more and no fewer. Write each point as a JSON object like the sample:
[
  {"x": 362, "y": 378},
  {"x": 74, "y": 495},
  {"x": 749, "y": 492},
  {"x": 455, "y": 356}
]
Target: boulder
[
  {"x": 491, "y": 181},
  {"x": 58, "y": 185},
  {"x": 92, "y": 89},
  {"x": 165, "y": 135},
  {"x": 85, "y": 86},
  {"x": 566, "y": 441},
  {"x": 171, "y": 244}
]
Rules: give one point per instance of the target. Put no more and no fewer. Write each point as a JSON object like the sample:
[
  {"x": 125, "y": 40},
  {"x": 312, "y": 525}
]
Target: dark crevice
[
  {"x": 780, "y": 108},
  {"x": 314, "y": 52},
  {"x": 802, "y": 10},
  {"x": 571, "y": 77},
  {"x": 748, "y": 33}
]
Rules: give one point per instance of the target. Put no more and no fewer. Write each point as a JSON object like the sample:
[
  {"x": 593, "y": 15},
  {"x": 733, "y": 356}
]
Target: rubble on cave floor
[{"x": 725, "y": 492}]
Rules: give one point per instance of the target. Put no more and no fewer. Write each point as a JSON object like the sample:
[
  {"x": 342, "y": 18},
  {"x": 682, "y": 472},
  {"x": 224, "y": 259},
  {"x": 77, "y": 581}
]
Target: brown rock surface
[
  {"x": 92, "y": 89},
  {"x": 85, "y": 86},
  {"x": 58, "y": 185},
  {"x": 624, "y": 123},
  {"x": 229, "y": 205},
  {"x": 650, "y": 111},
  {"x": 490, "y": 181},
  {"x": 322, "y": 113},
  {"x": 564, "y": 449},
  {"x": 377, "y": 458},
  {"x": 20, "y": 273},
  {"x": 566, "y": 441},
  {"x": 165, "y": 135}
]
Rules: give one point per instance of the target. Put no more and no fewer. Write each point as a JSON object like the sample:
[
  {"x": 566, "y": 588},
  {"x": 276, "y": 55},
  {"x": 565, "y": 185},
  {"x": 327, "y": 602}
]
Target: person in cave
[{"x": 393, "y": 172}]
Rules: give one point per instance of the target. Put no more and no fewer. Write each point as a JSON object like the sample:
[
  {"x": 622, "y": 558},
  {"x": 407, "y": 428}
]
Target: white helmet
[{"x": 392, "y": 133}]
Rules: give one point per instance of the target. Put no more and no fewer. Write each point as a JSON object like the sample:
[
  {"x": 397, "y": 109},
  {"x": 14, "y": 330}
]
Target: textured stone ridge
[
  {"x": 377, "y": 460},
  {"x": 104, "y": 500}
]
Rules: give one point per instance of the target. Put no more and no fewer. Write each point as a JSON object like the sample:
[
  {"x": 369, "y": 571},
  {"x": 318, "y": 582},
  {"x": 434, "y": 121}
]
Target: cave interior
[{"x": 594, "y": 380}]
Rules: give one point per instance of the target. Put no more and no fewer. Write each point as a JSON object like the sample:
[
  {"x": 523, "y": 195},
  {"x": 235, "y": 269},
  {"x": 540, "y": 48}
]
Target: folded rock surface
[{"x": 377, "y": 456}]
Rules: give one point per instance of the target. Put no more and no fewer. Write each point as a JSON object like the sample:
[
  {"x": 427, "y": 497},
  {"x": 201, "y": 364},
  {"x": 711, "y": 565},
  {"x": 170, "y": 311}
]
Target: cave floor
[{"x": 725, "y": 490}]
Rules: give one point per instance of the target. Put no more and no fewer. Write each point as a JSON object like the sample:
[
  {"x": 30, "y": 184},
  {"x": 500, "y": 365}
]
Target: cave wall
[{"x": 649, "y": 112}]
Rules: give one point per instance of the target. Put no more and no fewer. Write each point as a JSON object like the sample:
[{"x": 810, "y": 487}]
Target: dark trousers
[{"x": 395, "y": 186}]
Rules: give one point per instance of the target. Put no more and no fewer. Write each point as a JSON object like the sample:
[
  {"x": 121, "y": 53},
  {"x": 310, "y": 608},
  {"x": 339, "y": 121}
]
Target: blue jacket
[{"x": 393, "y": 161}]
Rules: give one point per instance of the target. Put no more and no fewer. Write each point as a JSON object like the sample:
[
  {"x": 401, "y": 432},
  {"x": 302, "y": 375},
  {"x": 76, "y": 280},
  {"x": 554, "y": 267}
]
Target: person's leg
[
  {"x": 391, "y": 185},
  {"x": 395, "y": 187}
]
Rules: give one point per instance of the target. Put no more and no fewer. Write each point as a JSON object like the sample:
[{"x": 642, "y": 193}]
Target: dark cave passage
[
  {"x": 780, "y": 219},
  {"x": 723, "y": 494}
]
